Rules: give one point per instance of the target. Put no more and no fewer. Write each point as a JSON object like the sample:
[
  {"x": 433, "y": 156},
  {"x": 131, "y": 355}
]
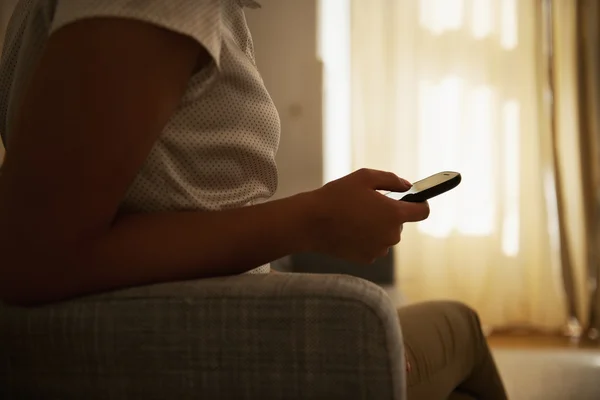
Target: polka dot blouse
[{"x": 218, "y": 149}]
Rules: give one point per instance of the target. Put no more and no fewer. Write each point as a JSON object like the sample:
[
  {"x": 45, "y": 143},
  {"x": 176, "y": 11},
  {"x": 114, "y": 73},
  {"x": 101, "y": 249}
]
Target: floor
[{"x": 540, "y": 367}]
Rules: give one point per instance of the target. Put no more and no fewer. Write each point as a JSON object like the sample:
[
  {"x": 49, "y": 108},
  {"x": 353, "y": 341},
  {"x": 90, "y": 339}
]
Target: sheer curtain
[
  {"x": 587, "y": 119},
  {"x": 455, "y": 85}
]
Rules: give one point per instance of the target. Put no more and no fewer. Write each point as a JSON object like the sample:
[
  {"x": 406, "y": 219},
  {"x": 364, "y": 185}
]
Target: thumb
[
  {"x": 383, "y": 180},
  {"x": 413, "y": 212}
]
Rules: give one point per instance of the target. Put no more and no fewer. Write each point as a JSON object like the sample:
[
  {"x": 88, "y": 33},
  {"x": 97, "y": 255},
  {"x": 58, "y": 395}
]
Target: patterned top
[{"x": 218, "y": 149}]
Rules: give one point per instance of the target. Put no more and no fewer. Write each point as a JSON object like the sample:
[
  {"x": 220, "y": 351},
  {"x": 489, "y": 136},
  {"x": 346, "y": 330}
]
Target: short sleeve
[{"x": 198, "y": 19}]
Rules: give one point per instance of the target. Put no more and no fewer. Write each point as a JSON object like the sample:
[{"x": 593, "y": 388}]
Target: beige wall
[
  {"x": 6, "y": 7},
  {"x": 285, "y": 41}
]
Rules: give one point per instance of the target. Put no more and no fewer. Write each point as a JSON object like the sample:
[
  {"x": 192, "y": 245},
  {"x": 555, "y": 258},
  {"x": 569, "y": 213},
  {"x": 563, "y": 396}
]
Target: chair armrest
[{"x": 292, "y": 336}]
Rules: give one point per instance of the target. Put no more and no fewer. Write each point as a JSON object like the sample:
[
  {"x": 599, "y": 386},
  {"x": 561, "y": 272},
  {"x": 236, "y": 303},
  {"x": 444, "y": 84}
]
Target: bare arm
[{"x": 102, "y": 94}]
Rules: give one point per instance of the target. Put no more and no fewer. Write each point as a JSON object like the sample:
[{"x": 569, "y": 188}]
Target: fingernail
[{"x": 406, "y": 182}]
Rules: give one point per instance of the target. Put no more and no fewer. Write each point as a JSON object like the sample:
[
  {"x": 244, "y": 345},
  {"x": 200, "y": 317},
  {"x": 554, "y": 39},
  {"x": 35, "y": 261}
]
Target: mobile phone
[{"x": 429, "y": 187}]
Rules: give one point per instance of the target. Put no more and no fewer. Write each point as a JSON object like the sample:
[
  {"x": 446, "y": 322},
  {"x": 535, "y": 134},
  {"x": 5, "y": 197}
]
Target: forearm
[
  {"x": 150, "y": 248},
  {"x": 182, "y": 245}
]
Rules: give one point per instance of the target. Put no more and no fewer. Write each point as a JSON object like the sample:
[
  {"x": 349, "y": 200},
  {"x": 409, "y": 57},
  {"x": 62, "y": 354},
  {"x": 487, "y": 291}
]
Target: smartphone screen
[
  {"x": 431, "y": 181},
  {"x": 425, "y": 184}
]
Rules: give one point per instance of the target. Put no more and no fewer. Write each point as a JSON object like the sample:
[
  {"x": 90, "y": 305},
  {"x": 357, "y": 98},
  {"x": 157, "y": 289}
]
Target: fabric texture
[
  {"x": 436, "y": 89},
  {"x": 272, "y": 336},
  {"x": 218, "y": 149},
  {"x": 448, "y": 353}
]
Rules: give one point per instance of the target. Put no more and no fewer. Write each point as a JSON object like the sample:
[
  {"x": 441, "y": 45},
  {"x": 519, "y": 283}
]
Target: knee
[
  {"x": 465, "y": 316},
  {"x": 462, "y": 308}
]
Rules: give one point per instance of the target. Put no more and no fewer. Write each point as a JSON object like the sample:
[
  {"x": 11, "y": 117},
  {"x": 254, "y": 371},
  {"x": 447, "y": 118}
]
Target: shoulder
[{"x": 198, "y": 19}]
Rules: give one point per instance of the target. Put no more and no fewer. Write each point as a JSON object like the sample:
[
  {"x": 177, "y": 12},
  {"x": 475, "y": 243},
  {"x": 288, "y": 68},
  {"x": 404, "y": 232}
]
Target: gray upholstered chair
[{"x": 276, "y": 336}]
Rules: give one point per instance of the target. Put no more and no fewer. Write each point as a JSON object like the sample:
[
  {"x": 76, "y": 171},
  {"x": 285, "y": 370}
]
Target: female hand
[{"x": 355, "y": 222}]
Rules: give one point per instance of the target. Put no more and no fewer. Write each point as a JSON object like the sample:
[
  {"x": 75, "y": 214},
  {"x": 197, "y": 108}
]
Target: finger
[
  {"x": 413, "y": 212},
  {"x": 383, "y": 252},
  {"x": 383, "y": 180},
  {"x": 399, "y": 234},
  {"x": 394, "y": 236}
]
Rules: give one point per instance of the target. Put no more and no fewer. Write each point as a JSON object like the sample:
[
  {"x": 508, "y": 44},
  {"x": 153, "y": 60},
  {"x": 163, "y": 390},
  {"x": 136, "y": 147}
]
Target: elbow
[
  {"x": 18, "y": 291},
  {"x": 19, "y": 284},
  {"x": 25, "y": 284},
  {"x": 28, "y": 296},
  {"x": 35, "y": 281},
  {"x": 35, "y": 277},
  {"x": 15, "y": 295},
  {"x": 12, "y": 289},
  {"x": 18, "y": 300}
]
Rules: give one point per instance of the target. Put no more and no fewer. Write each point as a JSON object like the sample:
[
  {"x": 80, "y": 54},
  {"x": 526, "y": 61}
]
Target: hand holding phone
[{"x": 429, "y": 187}]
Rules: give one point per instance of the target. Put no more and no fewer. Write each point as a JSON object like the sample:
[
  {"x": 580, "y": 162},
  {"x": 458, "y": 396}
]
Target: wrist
[{"x": 306, "y": 216}]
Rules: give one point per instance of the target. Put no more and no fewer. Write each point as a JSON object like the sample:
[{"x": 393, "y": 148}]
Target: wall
[
  {"x": 6, "y": 7},
  {"x": 285, "y": 41}
]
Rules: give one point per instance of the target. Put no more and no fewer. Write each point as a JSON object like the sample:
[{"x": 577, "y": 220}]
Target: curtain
[
  {"x": 559, "y": 75},
  {"x": 461, "y": 85},
  {"x": 588, "y": 57}
]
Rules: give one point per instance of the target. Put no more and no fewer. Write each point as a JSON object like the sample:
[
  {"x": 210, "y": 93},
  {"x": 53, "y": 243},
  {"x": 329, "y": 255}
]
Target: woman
[{"x": 141, "y": 142}]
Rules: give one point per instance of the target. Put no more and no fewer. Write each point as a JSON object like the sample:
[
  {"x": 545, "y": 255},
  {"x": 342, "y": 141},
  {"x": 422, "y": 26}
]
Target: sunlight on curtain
[
  {"x": 334, "y": 52},
  {"x": 464, "y": 116},
  {"x": 453, "y": 85},
  {"x": 510, "y": 228}
]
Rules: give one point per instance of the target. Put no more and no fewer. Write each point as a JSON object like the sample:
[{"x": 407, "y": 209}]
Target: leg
[
  {"x": 460, "y": 396},
  {"x": 448, "y": 351}
]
